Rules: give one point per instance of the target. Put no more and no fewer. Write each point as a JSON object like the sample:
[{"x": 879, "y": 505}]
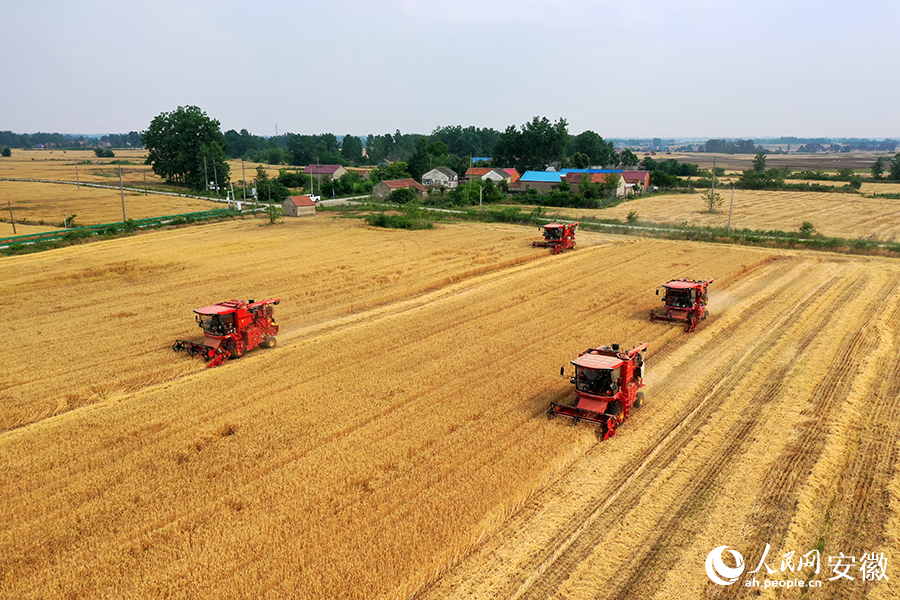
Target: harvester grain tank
[
  {"x": 685, "y": 301},
  {"x": 558, "y": 236},
  {"x": 607, "y": 383},
  {"x": 232, "y": 328}
]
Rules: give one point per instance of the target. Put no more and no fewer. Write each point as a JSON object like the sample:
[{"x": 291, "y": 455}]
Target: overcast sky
[{"x": 649, "y": 68}]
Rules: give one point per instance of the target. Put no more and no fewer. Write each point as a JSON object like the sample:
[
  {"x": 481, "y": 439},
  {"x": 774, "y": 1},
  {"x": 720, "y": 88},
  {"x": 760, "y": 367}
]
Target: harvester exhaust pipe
[{"x": 615, "y": 347}]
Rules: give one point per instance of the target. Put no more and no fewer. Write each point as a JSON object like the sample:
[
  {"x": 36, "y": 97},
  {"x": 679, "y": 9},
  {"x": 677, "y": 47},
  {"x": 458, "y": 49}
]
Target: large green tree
[
  {"x": 895, "y": 167},
  {"x": 352, "y": 149},
  {"x": 878, "y": 168},
  {"x": 186, "y": 147},
  {"x": 537, "y": 144},
  {"x": 628, "y": 158},
  {"x": 759, "y": 162},
  {"x": 592, "y": 144}
]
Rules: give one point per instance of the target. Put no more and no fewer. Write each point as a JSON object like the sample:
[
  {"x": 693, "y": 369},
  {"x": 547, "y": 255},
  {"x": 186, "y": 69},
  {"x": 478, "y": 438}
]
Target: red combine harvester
[
  {"x": 685, "y": 301},
  {"x": 232, "y": 328},
  {"x": 558, "y": 236},
  {"x": 606, "y": 381}
]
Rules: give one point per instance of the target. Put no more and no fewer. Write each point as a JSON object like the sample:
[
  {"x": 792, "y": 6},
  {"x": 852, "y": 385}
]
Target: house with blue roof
[{"x": 542, "y": 181}]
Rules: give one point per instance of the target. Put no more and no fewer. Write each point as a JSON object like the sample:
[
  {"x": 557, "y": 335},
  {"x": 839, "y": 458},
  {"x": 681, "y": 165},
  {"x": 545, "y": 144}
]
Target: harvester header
[{"x": 231, "y": 328}]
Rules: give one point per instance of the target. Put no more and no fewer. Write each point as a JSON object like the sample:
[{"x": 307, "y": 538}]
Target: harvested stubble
[
  {"x": 375, "y": 445},
  {"x": 78, "y": 165},
  {"x": 49, "y": 202},
  {"x": 774, "y": 423},
  {"x": 833, "y": 214}
]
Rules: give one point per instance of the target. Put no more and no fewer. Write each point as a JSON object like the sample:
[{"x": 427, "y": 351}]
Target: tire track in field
[
  {"x": 680, "y": 522},
  {"x": 788, "y": 475},
  {"x": 666, "y": 447},
  {"x": 862, "y": 499}
]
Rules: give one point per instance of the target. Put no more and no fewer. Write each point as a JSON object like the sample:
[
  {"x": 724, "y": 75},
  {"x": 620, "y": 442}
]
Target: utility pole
[
  {"x": 205, "y": 175},
  {"x": 216, "y": 179},
  {"x": 145, "y": 182},
  {"x": 713, "y": 196},
  {"x": 730, "y": 209},
  {"x": 122, "y": 190},
  {"x": 77, "y": 180},
  {"x": 11, "y": 218},
  {"x": 244, "y": 175}
]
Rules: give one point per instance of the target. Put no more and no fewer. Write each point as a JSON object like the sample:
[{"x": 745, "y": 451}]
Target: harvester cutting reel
[{"x": 213, "y": 356}]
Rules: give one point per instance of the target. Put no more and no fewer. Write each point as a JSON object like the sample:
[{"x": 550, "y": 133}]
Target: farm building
[
  {"x": 363, "y": 173},
  {"x": 298, "y": 206},
  {"x": 321, "y": 171},
  {"x": 440, "y": 177},
  {"x": 477, "y": 173},
  {"x": 384, "y": 188},
  {"x": 637, "y": 181},
  {"x": 574, "y": 180},
  {"x": 542, "y": 181}
]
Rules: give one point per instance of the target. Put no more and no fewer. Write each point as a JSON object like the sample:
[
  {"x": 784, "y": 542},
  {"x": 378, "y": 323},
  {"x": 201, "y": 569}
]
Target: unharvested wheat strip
[
  {"x": 189, "y": 516},
  {"x": 110, "y": 311}
]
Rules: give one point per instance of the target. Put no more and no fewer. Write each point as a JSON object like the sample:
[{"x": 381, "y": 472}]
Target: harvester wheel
[
  {"x": 269, "y": 343},
  {"x": 638, "y": 400}
]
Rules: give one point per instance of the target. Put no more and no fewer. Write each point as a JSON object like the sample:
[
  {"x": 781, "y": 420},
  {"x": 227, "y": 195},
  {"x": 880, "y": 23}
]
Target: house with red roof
[
  {"x": 320, "y": 171},
  {"x": 383, "y": 189},
  {"x": 575, "y": 179},
  {"x": 636, "y": 181},
  {"x": 298, "y": 206},
  {"x": 477, "y": 172}
]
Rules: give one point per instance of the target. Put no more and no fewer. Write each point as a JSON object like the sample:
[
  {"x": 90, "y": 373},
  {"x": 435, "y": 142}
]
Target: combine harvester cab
[
  {"x": 606, "y": 381},
  {"x": 685, "y": 301},
  {"x": 232, "y": 328},
  {"x": 558, "y": 236}
]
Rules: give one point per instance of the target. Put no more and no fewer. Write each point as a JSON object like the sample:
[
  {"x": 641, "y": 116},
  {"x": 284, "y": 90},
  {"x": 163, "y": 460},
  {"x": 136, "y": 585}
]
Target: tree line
[{"x": 28, "y": 141}]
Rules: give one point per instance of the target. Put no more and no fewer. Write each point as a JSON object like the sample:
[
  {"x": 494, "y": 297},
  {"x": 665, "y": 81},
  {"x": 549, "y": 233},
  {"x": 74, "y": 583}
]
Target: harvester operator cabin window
[
  {"x": 216, "y": 324},
  {"x": 680, "y": 298},
  {"x": 593, "y": 381}
]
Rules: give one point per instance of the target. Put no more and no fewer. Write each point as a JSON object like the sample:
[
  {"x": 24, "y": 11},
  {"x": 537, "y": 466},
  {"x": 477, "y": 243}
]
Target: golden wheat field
[
  {"x": 394, "y": 445},
  {"x": 49, "y": 203},
  {"x": 833, "y": 214}
]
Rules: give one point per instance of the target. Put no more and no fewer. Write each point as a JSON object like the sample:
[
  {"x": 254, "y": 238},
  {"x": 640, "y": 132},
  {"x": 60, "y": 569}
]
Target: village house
[
  {"x": 440, "y": 177},
  {"x": 298, "y": 206},
  {"x": 541, "y": 181},
  {"x": 574, "y": 179},
  {"x": 477, "y": 173},
  {"x": 320, "y": 171},
  {"x": 637, "y": 181},
  {"x": 383, "y": 189}
]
